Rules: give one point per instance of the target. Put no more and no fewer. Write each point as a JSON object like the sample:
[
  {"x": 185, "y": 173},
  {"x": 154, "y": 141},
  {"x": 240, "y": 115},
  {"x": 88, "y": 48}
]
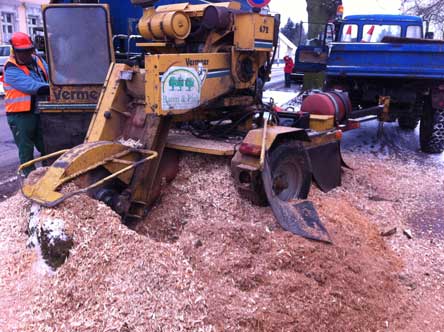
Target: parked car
[
  {"x": 4, "y": 55},
  {"x": 5, "y": 51}
]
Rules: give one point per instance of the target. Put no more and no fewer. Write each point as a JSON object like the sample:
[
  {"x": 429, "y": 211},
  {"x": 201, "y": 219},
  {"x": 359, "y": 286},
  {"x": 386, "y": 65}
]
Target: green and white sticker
[{"x": 181, "y": 87}]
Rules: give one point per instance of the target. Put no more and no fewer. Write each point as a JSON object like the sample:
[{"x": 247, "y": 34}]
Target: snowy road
[{"x": 394, "y": 142}]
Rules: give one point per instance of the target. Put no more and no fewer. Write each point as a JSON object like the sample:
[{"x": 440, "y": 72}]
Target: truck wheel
[
  {"x": 290, "y": 171},
  {"x": 432, "y": 130},
  {"x": 408, "y": 122}
]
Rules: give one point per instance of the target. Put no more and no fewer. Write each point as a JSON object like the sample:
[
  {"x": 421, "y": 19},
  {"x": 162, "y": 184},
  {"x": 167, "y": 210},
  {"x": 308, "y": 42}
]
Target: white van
[{"x": 4, "y": 55}]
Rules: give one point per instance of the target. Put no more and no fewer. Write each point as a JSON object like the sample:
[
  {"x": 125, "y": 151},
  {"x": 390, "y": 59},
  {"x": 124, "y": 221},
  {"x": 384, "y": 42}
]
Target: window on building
[
  {"x": 7, "y": 25},
  {"x": 33, "y": 23}
]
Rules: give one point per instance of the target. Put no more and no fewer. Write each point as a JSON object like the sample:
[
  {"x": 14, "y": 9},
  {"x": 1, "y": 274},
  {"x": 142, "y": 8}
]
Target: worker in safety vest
[{"x": 25, "y": 78}]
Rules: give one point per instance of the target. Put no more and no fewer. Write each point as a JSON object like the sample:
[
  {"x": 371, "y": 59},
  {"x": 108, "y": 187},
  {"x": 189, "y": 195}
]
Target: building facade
[
  {"x": 24, "y": 16},
  {"x": 285, "y": 47}
]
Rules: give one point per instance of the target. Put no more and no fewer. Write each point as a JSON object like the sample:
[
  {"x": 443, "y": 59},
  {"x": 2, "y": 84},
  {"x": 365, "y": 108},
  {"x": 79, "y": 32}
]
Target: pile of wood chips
[
  {"x": 207, "y": 260},
  {"x": 407, "y": 193},
  {"x": 114, "y": 279}
]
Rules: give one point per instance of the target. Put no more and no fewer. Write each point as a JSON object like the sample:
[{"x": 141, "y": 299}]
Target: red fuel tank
[{"x": 328, "y": 103}]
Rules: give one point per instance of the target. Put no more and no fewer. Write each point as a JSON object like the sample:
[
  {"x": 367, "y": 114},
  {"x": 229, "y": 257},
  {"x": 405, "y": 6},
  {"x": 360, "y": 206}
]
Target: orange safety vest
[{"x": 15, "y": 100}]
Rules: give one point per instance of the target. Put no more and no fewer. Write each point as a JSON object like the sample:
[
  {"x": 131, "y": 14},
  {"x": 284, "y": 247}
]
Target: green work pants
[{"x": 25, "y": 127}]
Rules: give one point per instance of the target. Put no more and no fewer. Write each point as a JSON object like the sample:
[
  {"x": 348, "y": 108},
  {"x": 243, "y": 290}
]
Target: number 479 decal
[{"x": 263, "y": 29}]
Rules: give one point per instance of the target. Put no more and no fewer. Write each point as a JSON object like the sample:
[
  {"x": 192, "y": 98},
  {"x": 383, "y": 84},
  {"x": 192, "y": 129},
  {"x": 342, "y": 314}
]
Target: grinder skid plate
[{"x": 118, "y": 159}]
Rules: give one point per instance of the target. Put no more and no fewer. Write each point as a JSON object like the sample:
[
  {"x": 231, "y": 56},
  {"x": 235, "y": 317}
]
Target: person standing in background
[
  {"x": 288, "y": 69},
  {"x": 25, "y": 78}
]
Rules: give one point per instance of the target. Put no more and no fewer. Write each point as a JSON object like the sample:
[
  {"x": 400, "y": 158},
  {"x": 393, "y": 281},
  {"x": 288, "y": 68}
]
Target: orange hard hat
[{"x": 21, "y": 41}]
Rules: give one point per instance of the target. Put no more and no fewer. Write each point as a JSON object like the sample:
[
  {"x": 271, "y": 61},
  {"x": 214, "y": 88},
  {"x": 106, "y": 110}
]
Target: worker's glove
[{"x": 43, "y": 91}]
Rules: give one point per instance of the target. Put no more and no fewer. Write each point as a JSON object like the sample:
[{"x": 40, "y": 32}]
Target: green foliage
[{"x": 294, "y": 32}]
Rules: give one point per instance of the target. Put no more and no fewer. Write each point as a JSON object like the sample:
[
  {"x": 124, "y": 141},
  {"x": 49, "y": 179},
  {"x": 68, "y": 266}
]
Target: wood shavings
[{"x": 207, "y": 260}]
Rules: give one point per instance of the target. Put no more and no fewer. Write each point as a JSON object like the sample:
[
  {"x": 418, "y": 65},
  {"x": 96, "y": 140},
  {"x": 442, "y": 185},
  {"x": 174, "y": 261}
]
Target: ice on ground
[
  {"x": 55, "y": 230},
  {"x": 34, "y": 220},
  {"x": 280, "y": 98},
  {"x": 131, "y": 143},
  {"x": 49, "y": 230}
]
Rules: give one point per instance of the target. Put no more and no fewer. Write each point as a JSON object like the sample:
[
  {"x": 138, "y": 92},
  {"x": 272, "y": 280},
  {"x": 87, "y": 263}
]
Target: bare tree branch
[{"x": 430, "y": 10}]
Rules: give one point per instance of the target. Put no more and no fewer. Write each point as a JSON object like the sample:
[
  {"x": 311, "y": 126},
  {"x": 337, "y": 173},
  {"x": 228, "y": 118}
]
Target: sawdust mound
[
  {"x": 15, "y": 263},
  {"x": 259, "y": 278},
  {"x": 114, "y": 279},
  {"x": 205, "y": 260}
]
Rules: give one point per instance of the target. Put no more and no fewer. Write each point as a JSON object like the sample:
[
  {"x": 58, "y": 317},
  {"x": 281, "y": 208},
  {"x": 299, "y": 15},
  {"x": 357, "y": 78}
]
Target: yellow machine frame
[{"x": 219, "y": 75}]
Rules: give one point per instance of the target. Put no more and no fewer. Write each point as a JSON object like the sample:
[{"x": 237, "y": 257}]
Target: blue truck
[{"x": 389, "y": 55}]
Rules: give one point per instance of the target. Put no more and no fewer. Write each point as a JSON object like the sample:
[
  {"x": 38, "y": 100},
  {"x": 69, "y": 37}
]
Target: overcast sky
[{"x": 297, "y": 9}]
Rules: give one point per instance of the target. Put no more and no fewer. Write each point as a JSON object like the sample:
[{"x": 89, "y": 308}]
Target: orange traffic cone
[
  {"x": 348, "y": 35},
  {"x": 368, "y": 36}
]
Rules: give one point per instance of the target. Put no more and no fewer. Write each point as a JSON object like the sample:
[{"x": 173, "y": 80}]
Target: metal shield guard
[
  {"x": 326, "y": 165},
  {"x": 298, "y": 218}
]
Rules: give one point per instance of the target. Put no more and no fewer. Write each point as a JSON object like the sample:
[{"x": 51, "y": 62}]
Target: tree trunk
[{"x": 320, "y": 12}]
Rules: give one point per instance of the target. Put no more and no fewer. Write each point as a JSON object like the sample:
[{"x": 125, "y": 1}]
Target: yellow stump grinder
[{"x": 197, "y": 88}]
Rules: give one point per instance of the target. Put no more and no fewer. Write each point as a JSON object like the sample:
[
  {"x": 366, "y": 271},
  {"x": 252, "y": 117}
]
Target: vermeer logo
[
  {"x": 85, "y": 95},
  {"x": 181, "y": 87},
  {"x": 191, "y": 62}
]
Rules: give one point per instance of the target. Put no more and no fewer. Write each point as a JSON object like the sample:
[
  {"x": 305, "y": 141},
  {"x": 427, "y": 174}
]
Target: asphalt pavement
[
  {"x": 277, "y": 78},
  {"x": 8, "y": 157},
  {"x": 8, "y": 150},
  {"x": 393, "y": 142}
]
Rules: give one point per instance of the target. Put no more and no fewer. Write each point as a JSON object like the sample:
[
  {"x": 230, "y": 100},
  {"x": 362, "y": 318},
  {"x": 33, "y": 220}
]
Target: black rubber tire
[
  {"x": 257, "y": 197},
  {"x": 431, "y": 133},
  {"x": 290, "y": 164},
  {"x": 408, "y": 122}
]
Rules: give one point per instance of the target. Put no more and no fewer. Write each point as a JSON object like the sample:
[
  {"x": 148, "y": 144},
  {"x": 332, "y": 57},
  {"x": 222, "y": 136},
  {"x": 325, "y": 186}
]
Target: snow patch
[
  {"x": 34, "y": 220},
  {"x": 48, "y": 238},
  {"x": 54, "y": 229},
  {"x": 280, "y": 97},
  {"x": 131, "y": 143}
]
